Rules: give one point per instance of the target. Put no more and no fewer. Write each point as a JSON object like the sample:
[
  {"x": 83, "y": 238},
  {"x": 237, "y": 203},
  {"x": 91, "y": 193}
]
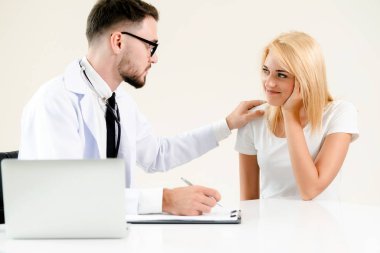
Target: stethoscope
[{"x": 115, "y": 112}]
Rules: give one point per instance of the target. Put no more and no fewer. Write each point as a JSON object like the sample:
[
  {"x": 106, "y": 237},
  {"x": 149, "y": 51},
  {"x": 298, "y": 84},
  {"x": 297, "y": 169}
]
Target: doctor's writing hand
[
  {"x": 242, "y": 114},
  {"x": 190, "y": 200}
]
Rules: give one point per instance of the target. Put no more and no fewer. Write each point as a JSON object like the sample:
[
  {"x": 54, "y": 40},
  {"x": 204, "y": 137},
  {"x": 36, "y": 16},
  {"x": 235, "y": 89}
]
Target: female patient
[{"x": 297, "y": 149}]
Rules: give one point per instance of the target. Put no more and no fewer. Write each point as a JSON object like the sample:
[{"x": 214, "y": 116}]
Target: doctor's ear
[{"x": 116, "y": 42}]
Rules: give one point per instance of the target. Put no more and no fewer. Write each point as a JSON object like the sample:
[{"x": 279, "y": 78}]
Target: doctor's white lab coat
[{"x": 60, "y": 122}]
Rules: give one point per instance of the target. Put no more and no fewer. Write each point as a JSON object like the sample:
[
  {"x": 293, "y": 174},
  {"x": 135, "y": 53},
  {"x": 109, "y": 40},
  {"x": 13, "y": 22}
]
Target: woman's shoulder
[
  {"x": 261, "y": 107},
  {"x": 259, "y": 122},
  {"x": 340, "y": 106},
  {"x": 252, "y": 133},
  {"x": 341, "y": 116}
]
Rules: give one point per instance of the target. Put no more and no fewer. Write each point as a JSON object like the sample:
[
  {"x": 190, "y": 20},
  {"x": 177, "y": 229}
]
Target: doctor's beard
[
  {"x": 131, "y": 77},
  {"x": 134, "y": 81}
]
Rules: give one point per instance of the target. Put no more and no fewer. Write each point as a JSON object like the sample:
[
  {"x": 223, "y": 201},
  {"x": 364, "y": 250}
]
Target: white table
[{"x": 267, "y": 226}]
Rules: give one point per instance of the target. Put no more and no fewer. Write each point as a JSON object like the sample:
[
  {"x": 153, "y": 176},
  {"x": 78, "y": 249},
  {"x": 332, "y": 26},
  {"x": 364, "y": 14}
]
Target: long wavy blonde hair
[{"x": 301, "y": 56}]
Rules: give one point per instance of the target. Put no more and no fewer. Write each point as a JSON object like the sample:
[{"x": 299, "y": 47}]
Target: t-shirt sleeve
[
  {"x": 344, "y": 120},
  {"x": 245, "y": 140}
]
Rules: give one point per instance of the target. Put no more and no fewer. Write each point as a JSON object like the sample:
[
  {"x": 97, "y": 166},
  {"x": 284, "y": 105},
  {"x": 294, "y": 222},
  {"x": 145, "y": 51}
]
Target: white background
[{"x": 209, "y": 60}]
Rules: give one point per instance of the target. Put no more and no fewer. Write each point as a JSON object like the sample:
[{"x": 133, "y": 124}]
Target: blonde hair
[{"x": 301, "y": 56}]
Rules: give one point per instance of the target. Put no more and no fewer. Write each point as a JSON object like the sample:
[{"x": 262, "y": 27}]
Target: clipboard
[{"x": 219, "y": 217}]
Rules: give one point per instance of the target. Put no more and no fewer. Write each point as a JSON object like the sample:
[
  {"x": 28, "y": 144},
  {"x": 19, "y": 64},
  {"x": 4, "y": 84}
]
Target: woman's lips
[{"x": 272, "y": 92}]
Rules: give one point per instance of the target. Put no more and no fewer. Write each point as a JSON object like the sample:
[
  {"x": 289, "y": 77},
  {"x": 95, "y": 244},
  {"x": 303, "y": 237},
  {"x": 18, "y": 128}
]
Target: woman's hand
[{"x": 294, "y": 103}]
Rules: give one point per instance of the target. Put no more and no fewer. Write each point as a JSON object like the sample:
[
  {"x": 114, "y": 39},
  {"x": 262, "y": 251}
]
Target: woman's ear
[
  {"x": 300, "y": 89},
  {"x": 297, "y": 85}
]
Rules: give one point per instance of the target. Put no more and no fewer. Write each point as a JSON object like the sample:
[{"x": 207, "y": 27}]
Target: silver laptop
[{"x": 64, "y": 198}]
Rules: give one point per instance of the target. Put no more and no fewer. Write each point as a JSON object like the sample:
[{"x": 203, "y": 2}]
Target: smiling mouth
[{"x": 272, "y": 92}]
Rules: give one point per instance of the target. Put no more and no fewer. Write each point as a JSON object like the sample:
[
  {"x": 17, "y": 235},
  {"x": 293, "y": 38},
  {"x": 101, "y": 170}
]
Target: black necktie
[{"x": 111, "y": 118}]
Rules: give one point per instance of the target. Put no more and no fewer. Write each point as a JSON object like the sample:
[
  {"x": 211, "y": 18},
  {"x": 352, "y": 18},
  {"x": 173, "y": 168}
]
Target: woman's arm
[
  {"x": 313, "y": 177},
  {"x": 249, "y": 177}
]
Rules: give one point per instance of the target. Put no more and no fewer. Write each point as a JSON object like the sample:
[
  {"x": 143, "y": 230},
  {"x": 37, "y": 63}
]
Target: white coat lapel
[
  {"x": 91, "y": 120},
  {"x": 75, "y": 82}
]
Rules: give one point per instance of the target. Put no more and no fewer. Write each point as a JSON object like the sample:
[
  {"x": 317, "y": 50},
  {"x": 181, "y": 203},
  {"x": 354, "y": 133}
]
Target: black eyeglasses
[{"x": 153, "y": 45}]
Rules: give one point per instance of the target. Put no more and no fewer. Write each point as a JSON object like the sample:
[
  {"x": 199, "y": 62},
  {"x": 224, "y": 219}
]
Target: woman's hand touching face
[{"x": 294, "y": 101}]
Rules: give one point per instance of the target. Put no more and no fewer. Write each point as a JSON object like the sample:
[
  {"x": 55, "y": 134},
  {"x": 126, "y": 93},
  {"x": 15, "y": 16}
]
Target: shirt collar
[{"x": 100, "y": 86}]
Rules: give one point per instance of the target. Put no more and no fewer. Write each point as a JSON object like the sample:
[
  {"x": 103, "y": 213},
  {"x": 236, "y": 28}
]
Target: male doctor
[{"x": 86, "y": 114}]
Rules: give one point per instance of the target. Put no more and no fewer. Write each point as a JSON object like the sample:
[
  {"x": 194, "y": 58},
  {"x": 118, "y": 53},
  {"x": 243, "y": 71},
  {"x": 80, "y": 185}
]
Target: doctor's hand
[
  {"x": 190, "y": 200},
  {"x": 242, "y": 114}
]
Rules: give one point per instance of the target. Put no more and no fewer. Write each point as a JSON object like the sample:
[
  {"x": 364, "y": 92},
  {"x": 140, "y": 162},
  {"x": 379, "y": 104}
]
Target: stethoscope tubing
[{"x": 115, "y": 112}]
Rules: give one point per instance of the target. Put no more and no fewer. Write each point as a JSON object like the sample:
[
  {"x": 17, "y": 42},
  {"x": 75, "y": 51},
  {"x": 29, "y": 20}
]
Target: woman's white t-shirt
[{"x": 276, "y": 173}]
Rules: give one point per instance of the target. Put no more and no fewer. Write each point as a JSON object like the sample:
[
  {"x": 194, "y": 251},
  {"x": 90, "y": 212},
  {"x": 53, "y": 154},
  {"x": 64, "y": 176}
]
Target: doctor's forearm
[{"x": 161, "y": 154}]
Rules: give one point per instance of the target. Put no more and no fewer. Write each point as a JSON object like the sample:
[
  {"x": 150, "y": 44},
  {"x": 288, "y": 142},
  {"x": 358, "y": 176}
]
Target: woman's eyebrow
[{"x": 282, "y": 71}]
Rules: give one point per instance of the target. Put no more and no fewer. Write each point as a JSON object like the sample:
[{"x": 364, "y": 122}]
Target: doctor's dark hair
[{"x": 107, "y": 13}]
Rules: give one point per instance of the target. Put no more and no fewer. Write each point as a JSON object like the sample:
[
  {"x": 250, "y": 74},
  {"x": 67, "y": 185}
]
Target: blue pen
[{"x": 190, "y": 184}]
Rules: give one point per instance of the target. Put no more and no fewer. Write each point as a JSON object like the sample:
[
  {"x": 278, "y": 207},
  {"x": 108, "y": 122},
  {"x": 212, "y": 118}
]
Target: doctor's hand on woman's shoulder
[{"x": 243, "y": 114}]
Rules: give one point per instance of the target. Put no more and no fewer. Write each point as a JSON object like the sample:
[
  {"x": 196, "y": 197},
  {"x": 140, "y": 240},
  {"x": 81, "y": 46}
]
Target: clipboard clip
[{"x": 235, "y": 213}]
